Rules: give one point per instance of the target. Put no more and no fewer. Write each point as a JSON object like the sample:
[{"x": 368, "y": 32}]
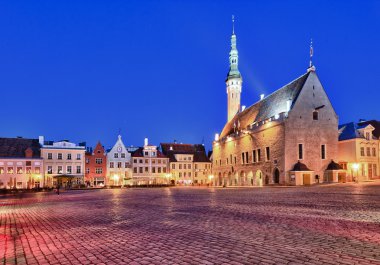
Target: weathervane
[
  {"x": 311, "y": 52},
  {"x": 233, "y": 24}
]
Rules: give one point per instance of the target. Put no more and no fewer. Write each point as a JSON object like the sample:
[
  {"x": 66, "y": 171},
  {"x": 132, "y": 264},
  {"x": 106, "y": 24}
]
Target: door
[
  {"x": 276, "y": 176},
  {"x": 306, "y": 179}
]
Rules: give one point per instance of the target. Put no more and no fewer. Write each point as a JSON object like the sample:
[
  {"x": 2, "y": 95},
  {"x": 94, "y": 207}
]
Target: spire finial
[
  {"x": 233, "y": 24},
  {"x": 311, "y": 52}
]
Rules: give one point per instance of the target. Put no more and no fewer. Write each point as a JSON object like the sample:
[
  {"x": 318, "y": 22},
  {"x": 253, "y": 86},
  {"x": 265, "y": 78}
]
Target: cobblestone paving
[{"x": 338, "y": 224}]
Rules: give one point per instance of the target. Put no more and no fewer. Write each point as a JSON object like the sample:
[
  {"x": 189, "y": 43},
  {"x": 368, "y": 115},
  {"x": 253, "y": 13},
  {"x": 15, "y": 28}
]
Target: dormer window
[
  {"x": 315, "y": 115},
  {"x": 368, "y": 136}
]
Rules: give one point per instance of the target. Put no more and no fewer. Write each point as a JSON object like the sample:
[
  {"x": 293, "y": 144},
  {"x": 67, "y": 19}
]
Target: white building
[
  {"x": 63, "y": 163},
  {"x": 118, "y": 164}
]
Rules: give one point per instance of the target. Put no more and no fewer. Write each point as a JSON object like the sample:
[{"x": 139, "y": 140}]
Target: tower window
[
  {"x": 315, "y": 115},
  {"x": 300, "y": 151}
]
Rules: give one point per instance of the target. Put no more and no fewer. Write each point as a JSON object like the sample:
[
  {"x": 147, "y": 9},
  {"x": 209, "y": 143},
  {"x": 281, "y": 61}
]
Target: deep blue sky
[{"x": 80, "y": 70}]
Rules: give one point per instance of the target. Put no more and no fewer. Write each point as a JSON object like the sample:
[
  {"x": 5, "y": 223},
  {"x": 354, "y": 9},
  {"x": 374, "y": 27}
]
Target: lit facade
[
  {"x": 289, "y": 137},
  {"x": 21, "y": 166},
  {"x": 188, "y": 163},
  {"x": 119, "y": 167},
  {"x": 96, "y": 167},
  {"x": 64, "y": 163},
  {"x": 359, "y": 151},
  {"x": 150, "y": 166}
]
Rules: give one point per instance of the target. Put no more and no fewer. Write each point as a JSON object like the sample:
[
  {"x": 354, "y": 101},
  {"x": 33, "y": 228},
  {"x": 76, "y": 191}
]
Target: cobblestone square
[{"x": 334, "y": 224}]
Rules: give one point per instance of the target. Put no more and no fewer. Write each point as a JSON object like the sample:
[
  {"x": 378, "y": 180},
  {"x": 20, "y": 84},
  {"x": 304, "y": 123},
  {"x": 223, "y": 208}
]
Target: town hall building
[{"x": 289, "y": 137}]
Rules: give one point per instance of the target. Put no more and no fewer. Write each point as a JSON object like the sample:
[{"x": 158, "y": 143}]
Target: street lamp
[
  {"x": 211, "y": 177},
  {"x": 116, "y": 180},
  {"x": 355, "y": 166}
]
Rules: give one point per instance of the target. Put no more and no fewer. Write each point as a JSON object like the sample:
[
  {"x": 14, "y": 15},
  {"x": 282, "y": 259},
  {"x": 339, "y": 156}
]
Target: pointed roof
[
  {"x": 375, "y": 124},
  {"x": 268, "y": 107},
  {"x": 350, "y": 130},
  {"x": 16, "y": 147},
  {"x": 197, "y": 150}
]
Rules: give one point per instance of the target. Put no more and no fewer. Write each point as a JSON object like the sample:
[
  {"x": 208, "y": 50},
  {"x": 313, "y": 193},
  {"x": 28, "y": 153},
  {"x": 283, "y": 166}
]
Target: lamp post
[
  {"x": 211, "y": 177},
  {"x": 355, "y": 166},
  {"x": 116, "y": 180}
]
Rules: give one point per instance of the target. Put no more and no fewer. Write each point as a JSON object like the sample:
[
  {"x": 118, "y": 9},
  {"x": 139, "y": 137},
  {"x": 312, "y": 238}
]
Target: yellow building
[
  {"x": 188, "y": 163},
  {"x": 358, "y": 151}
]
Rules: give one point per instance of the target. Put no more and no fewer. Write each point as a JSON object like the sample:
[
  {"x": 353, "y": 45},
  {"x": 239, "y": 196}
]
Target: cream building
[
  {"x": 359, "y": 151},
  {"x": 63, "y": 163},
  {"x": 21, "y": 166},
  {"x": 289, "y": 137},
  {"x": 188, "y": 163},
  {"x": 150, "y": 166},
  {"x": 119, "y": 167}
]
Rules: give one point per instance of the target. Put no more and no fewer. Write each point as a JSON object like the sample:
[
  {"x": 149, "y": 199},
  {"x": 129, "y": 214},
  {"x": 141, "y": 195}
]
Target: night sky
[{"x": 83, "y": 70}]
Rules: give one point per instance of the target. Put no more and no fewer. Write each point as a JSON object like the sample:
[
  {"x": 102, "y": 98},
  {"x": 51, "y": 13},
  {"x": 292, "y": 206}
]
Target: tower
[{"x": 234, "y": 80}]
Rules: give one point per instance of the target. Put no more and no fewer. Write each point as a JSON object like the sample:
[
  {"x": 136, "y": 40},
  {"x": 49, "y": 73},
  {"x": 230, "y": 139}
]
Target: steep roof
[
  {"x": 268, "y": 107},
  {"x": 139, "y": 152},
  {"x": 349, "y": 130},
  {"x": 15, "y": 147},
  {"x": 375, "y": 124},
  {"x": 197, "y": 150}
]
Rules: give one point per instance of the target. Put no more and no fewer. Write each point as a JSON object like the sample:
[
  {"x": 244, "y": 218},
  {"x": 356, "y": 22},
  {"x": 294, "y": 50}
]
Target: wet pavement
[{"x": 335, "y": 224}]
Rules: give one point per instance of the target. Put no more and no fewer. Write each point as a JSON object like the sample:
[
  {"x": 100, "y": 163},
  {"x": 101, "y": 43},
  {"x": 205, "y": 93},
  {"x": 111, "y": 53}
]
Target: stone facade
[{"x": 262, "y": 144}]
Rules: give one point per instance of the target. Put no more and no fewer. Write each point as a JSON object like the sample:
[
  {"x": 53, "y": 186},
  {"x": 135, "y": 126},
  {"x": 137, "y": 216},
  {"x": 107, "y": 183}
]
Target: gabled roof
[
  {"x": 139, "y": 152},
  {"x": 197, "y": 150},
  {"x": 375, "y": 124},
  {"x": 268, "y": 107},
  {"x": 350, "y": 130},
  {"x": 15, "y": 147}
]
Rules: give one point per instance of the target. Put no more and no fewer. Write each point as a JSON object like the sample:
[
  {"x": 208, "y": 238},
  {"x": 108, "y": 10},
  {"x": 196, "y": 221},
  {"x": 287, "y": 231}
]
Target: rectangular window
[
  {"x": 134, "y": 160},
  {"x": 87, "y": 171},
  {"x": 118, "y": 164},
  {"x": 323, "y": 151},
  {"x": 254, "y": 156},
  {"x": 87, "y": 161},
  {"x": 258, "y": 155},
  {"x": 246, "y": 157},
  {"x": 99, "y": 161},
  {"x": 180, "y": 166},
  {"x": 60, "y": 170},
  {"x": 50, "y": 156},
  {"x": 375, "y": 170},
  {"x": 146, "y": 169},
  {"x": 164, "y": 169},
  {"x": 78, "y": 156},
  {"x": 373, "y": 151},
  {"x": 242, "y": 158},
  {"x": 126, "y": 164},
  {"x": 37, "y": 170},
  {"x": 28, "y": 163},
  {"x": 79, "y": 170},
  {"x": 1, "y": 170},
  {"x": 153, "y": 170},
  {"x": 19, "y": 170},
  {"x": 68, "y": 156},
  {"x": 28, "y": 170},
  {"x": 267, "y": 152},
  {"x": 135, "y": 170},
  {"x": 362, "y": 151},
  {"x": 235, "y": 159},
  {"x": 116, "y": 155},
  {"x": 141, "y": 161},
  {"x": 146, "y": 153},
  {"x": 122, "y": 155},
  {"x": 190, "y": 174},
  {"x": 196, "y": 166},
  {"x": 111, "y": 164},
  {"x": 140, "y": 169},
  {"x": 300, "y": 151},
  {"x": 69, "y": 170},
  {"x": 173, "y": 166},
  {"x": 59, "y": 156},
  {"x": 153, "y": 161},
  {"x": 159, "y": 170},
  {"x": 189, "y": 166},
  {"x": 315, "y": 115},
  {"x": 50, "y": 170},
  {"x": 367, "y": 136},
  {"x": 98, "y": 170},
  {"x": 368, "y": 151}
]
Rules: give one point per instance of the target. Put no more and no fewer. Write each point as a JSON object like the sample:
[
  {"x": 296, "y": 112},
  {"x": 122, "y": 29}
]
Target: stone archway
[
  {"x": 242, "y": 179},
  {"x": 276, "y": 176},
  {"x": 250, "y": 181},
  {"x": 220, "y": 180},
  {"x": 259, "y": 178}
]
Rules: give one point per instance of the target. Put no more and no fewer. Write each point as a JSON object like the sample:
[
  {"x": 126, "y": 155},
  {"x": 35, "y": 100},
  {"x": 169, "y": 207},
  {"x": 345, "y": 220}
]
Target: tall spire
[
  {"x": 311, "y": 53},
  {"x": 234, "y": 57},
  {"x": 311, "y": 65}
]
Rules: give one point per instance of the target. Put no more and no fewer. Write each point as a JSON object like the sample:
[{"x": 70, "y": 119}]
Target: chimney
[
  {"x": 262, "y": 96},
  {"x": 146, "y": 142},
  {"x": 41, "y": 140}
]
